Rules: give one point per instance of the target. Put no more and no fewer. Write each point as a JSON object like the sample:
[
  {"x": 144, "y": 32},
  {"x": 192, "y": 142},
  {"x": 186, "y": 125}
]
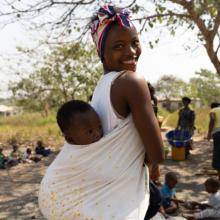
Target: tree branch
[
  {"x": 216, "y": 23},
  {"x": 189, "y": 6},
  {"x": 161, "y": 15}
]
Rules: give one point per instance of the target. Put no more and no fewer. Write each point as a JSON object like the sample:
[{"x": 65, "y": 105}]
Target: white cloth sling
[{"x": 101, "y": 181}]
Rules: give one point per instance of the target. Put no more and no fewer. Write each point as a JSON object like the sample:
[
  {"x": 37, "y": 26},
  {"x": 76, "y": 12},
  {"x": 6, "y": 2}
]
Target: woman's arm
[{"x": 133, "y": 96}]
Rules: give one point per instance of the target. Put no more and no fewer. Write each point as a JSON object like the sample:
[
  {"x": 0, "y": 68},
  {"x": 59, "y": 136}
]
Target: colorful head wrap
[{"x": 106, "y": 15}]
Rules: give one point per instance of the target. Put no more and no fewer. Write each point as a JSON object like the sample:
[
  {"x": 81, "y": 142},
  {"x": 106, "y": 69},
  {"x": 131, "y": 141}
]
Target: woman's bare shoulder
[{"x": 130, "y": 78}]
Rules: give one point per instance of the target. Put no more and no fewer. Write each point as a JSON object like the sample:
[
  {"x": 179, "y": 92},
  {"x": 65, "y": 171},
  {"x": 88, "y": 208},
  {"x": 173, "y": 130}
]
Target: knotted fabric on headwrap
[{"x": 99, "y": 27}]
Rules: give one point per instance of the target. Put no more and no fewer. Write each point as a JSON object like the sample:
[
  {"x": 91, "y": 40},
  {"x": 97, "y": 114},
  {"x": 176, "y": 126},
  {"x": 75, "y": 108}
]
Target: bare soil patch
[{"x": 19, "y": 185}]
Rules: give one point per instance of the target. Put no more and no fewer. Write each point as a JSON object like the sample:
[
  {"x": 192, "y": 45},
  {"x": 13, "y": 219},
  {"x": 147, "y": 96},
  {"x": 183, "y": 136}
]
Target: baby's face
[
  {"x": 86, "y": 129},
  {"x": 171, "y": 183}
]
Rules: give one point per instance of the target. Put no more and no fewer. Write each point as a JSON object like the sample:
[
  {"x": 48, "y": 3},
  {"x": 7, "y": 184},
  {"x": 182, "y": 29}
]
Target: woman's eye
[{"x": 118, "y": 46}]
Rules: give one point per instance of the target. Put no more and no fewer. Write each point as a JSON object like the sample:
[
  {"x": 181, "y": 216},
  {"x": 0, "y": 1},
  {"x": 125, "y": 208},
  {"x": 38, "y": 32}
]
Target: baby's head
[
  {"x": 116, "y": 39},
  {"x": 212, "y": 185},
  {"x": 79, "y": 123},
  {"x": 171, "y": 179}
]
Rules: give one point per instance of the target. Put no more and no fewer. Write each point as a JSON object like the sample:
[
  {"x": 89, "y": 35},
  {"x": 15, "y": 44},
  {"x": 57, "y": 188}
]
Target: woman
[{"x": 106, "y": 179}]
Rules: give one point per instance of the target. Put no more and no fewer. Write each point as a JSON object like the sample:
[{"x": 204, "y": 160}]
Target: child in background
[
  {"x": 211, "y": 209},
  {"x": 28, "y": 158},
  {"x": 41, "y": 150},
  {"x": 79, "y": 123},
  {"x": 15, "y": 155},
  {"x": 3, "y": 159},
  {"x": 168, "y": 194}
]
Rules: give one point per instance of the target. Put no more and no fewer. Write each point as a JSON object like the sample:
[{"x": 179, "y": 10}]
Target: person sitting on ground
[
  {"x": 79, "y": 123},
  {"x": 15, "y": 156},
  {"x": 3, "y": 159},
  {"x": 168, "y": 194},
  {"x": 211, "y": 209},
  {"x": 27, "y": 157},
  {"x": 41, "y": 150}
]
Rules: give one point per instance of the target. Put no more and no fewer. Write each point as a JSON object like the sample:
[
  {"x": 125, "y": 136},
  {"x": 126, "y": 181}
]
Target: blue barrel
[{"x": 179, "y": 138}]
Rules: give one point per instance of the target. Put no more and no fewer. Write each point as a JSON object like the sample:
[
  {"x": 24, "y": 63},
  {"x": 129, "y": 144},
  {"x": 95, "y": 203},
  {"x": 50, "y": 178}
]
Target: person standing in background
[
  {"x": 214, "y": 132},
  {"x": 186, "y": 121}
]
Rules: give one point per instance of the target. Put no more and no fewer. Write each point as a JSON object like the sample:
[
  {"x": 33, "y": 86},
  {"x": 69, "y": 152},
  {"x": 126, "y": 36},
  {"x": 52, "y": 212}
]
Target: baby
[{"x": 79, "y": 123}]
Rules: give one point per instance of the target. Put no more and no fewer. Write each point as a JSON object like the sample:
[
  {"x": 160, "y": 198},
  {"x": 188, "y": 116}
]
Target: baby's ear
[{"x": 68, "y": 138}]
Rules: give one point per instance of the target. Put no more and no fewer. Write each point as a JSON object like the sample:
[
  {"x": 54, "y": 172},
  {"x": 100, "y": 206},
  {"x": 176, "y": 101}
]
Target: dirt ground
[{"x": 19, "y": 185}]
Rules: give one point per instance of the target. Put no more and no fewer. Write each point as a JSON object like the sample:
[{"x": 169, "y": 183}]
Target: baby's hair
[
  {"x": 68, "y": 110},
  {"x": 214, "y": 183},
  {"x": 170, "y": 176}
]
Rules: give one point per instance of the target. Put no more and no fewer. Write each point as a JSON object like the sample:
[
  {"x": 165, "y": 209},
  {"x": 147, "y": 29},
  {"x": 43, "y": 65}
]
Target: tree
[
  {"x": 205, "y": 86},
  {"x": 200, "y": 16},
  {"x": 69, "y": 72},
  {"x": 169, "y": 86}
]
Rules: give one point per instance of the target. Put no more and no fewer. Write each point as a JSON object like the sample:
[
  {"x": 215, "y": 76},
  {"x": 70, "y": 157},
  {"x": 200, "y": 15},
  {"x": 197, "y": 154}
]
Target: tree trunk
[{"x": 213, "y": 56}]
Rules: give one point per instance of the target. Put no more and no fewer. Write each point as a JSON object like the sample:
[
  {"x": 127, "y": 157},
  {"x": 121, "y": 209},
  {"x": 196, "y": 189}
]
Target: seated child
[
  {"x": 79, "y": 123},
  {"x": 3, "y": 159},
  {"x": 15, "y": 156},
  {"x": 211, "y": 209},
  {"x": 41, "y": 150},
  {"x": 28, "y": 158},
  {"x": 168, "y": 194}
]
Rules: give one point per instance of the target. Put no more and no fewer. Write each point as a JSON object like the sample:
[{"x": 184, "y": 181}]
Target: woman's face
[{"x": 122, "y": 49}]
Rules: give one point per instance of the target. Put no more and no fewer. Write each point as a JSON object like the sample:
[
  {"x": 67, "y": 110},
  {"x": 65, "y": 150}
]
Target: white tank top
[{"x": 101, "y": 102}]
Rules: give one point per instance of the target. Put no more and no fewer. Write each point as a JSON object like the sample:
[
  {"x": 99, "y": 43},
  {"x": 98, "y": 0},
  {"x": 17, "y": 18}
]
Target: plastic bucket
[
  {"x": 179, "y": 140},
  {"x": 178, "y": 153}
]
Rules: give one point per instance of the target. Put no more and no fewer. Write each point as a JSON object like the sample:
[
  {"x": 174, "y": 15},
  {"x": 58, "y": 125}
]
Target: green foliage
[
  {"x": 205, "y": 86},
  {"x": 68, "y": 72},
  {"x": 169, "y": 86}
]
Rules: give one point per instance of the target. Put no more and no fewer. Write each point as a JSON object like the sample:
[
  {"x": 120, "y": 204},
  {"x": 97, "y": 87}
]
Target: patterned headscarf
[{"x": 106, "y": 15}]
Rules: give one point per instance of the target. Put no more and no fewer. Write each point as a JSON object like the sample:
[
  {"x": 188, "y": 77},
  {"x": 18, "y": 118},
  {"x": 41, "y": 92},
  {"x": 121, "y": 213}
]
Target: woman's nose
[{"x": 130, "y": 50}]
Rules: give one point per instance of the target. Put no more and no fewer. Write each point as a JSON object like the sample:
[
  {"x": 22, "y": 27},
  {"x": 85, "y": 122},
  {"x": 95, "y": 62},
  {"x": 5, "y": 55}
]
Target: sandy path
[{"x": 19, "y": 186}]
